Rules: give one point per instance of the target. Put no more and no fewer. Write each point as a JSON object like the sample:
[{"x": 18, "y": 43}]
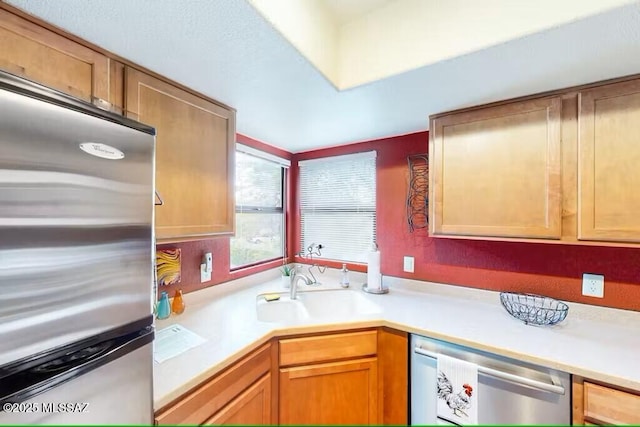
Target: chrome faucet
[{"x": 293, "y": 291}]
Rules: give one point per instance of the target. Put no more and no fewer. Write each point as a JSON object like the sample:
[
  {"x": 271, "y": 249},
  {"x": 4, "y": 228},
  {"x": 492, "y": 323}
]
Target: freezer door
[
  {"x": 76, "y": 249},
  {"x": 119, "y": 392}
]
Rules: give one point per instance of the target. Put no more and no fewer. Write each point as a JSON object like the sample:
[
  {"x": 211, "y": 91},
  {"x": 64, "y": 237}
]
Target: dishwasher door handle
[{"x": 553, "y": 388}]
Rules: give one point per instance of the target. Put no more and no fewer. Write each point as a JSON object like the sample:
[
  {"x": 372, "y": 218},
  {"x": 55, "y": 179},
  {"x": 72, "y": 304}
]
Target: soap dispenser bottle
[{"x": 344, "y": 280}]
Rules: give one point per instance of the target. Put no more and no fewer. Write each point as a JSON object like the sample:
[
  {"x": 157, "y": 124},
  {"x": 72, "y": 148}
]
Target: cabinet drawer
[
  {"x": 199, "y": 405},
  {"x": 610, "y": 406},
  {"x": 327, "y": 347}
]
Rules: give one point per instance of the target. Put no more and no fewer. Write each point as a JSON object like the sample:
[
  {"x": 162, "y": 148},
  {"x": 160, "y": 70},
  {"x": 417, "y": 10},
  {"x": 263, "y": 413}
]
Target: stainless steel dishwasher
[{"x": 509, "y": 391}]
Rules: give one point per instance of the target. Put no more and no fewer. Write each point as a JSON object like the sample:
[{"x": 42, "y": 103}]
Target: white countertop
[{"x": 595, "y": 342}]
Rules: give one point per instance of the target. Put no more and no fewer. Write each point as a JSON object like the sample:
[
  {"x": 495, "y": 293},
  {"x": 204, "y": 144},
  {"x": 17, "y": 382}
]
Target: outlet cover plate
[
  {"x": 408, "y": 264},
  {"x": 593, "y": 285}
]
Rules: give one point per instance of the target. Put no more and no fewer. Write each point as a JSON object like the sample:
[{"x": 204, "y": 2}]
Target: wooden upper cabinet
[
  {"x": 495, "y": 171},
  {"x": 195, "y": 147},
  {"x": 609, "y": 163},
  {"x": 38, "y": 54}
]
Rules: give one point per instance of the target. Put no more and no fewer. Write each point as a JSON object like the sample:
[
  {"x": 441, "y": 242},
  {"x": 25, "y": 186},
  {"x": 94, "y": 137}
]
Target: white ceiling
[
  {"x": 347, "y": 10},
  {"x": 226, "y": 50},
  {"x": 383, "y": 39}
]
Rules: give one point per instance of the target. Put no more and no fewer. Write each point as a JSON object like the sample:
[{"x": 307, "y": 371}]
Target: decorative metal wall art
[{"x": 418, "y": 194}]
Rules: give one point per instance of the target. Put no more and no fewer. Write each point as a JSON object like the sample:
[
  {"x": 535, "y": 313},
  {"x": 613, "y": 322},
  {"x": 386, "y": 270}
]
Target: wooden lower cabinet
[
  {"x": 597, "y": 404},
  {"x": 240, "y": 393},
  {"x": 343, "y": 378},
  {"x": 252, "y": 407},
  {"x": 352, "y": 377},
  {"x": 393, "y": 373},
  {"x": 330, "y": 393}
]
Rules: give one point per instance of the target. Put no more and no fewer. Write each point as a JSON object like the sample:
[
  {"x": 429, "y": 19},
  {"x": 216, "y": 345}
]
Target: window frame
[{"x": 283, "y": 164}]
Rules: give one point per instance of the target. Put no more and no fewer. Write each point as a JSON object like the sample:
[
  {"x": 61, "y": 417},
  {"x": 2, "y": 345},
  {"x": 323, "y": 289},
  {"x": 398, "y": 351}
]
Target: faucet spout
[{"x": 293, "y": 291}]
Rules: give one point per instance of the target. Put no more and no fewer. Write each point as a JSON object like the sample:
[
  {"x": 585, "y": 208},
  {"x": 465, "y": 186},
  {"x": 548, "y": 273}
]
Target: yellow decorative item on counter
[{"x": 168, "y": 266}]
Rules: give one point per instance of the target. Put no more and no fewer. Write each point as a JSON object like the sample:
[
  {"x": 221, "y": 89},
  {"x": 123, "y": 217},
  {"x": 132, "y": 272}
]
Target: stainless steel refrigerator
[{"x": 76, "y": 261}]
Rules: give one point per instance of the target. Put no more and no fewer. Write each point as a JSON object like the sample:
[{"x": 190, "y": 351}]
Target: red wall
[
  {"x": 550, "y": 269},
  {"x": 192, "y": 252}
]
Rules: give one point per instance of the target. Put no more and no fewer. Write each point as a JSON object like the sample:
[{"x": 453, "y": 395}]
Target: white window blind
[{"x": 338, "y": 205}]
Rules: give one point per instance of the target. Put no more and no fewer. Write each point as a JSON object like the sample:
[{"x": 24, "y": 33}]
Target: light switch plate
[
  {"x": 593, "y": 285},
  {"x": 205, "y": 276},
  {"x": 408, "y": 264},
  {"x": 206, "y": 267}
]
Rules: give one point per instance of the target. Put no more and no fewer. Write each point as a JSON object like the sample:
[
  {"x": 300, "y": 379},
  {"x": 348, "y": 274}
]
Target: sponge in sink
[{"x": 271, "y": 297}]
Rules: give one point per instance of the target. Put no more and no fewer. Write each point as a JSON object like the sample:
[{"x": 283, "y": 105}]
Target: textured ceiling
[{"x": 225, "y": 49}]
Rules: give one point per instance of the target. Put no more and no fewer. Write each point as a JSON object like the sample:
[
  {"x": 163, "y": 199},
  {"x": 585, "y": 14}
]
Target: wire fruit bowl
[{"x": 534, "y": 309}]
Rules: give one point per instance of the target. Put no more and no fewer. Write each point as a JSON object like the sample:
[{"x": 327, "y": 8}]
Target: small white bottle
[{"x": 344, "y": 280}]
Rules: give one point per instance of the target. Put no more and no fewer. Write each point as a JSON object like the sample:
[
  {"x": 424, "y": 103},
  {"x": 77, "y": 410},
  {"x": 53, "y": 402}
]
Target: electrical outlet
[
  {"x": 408, "y": 264},
  {"x": 593, "y": 285}
]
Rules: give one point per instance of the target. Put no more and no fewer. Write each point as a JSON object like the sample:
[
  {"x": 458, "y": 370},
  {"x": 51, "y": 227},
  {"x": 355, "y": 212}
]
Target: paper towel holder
[{"x": 378, "y": 291}]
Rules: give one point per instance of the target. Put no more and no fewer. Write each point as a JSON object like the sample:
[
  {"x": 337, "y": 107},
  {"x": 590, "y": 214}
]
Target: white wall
[
  {"x": 309, "y": 26},
  {"x": 407, "y": 34}
]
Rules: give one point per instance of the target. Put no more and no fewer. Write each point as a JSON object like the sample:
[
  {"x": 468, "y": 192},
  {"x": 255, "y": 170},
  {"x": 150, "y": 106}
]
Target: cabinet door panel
[
  {"x": 194, "y": 157},
  {"x": 38, "y": 54},
  {"x": 496, "y": 171},
  {"x": 609, "y": 163},
  {"x": 214, "y": 395},
  {"x": 252, "y": 407},
  {"x": 330, "y": 393},
  {"x": 608, "y": 406}
]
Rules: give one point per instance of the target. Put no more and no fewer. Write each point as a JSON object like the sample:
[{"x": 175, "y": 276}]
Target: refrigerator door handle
[{"x": 39, "y": 379}]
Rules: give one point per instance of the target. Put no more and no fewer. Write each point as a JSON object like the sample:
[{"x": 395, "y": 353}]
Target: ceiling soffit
[{"x": 354, "y": 42}]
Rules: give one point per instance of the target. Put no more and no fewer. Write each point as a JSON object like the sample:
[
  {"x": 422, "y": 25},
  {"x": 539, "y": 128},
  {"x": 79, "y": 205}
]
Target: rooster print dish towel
[{"x": 457, "y": 390}]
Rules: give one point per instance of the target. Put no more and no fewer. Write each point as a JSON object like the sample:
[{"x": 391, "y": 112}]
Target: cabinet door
[
  {"x": 595, "y": 404},
  {"x": 212, "y": 396},
  {"x": 496, "y": 171},
  {"x": 609, "y": 163},
  {"x": 194, "y": 157},
  {"x": 37, "y": 54},
  {"x": 330, "y": 393},
  {"x": 252, "y": 407}
]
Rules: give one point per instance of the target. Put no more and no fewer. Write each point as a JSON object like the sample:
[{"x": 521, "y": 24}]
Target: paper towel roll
[{"x": 373, "y": 270}]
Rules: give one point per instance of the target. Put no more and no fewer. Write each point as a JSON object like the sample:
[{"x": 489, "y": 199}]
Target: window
[
  {"x": 338, "y": 205},
  {"x": 260, "y": 232}
]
